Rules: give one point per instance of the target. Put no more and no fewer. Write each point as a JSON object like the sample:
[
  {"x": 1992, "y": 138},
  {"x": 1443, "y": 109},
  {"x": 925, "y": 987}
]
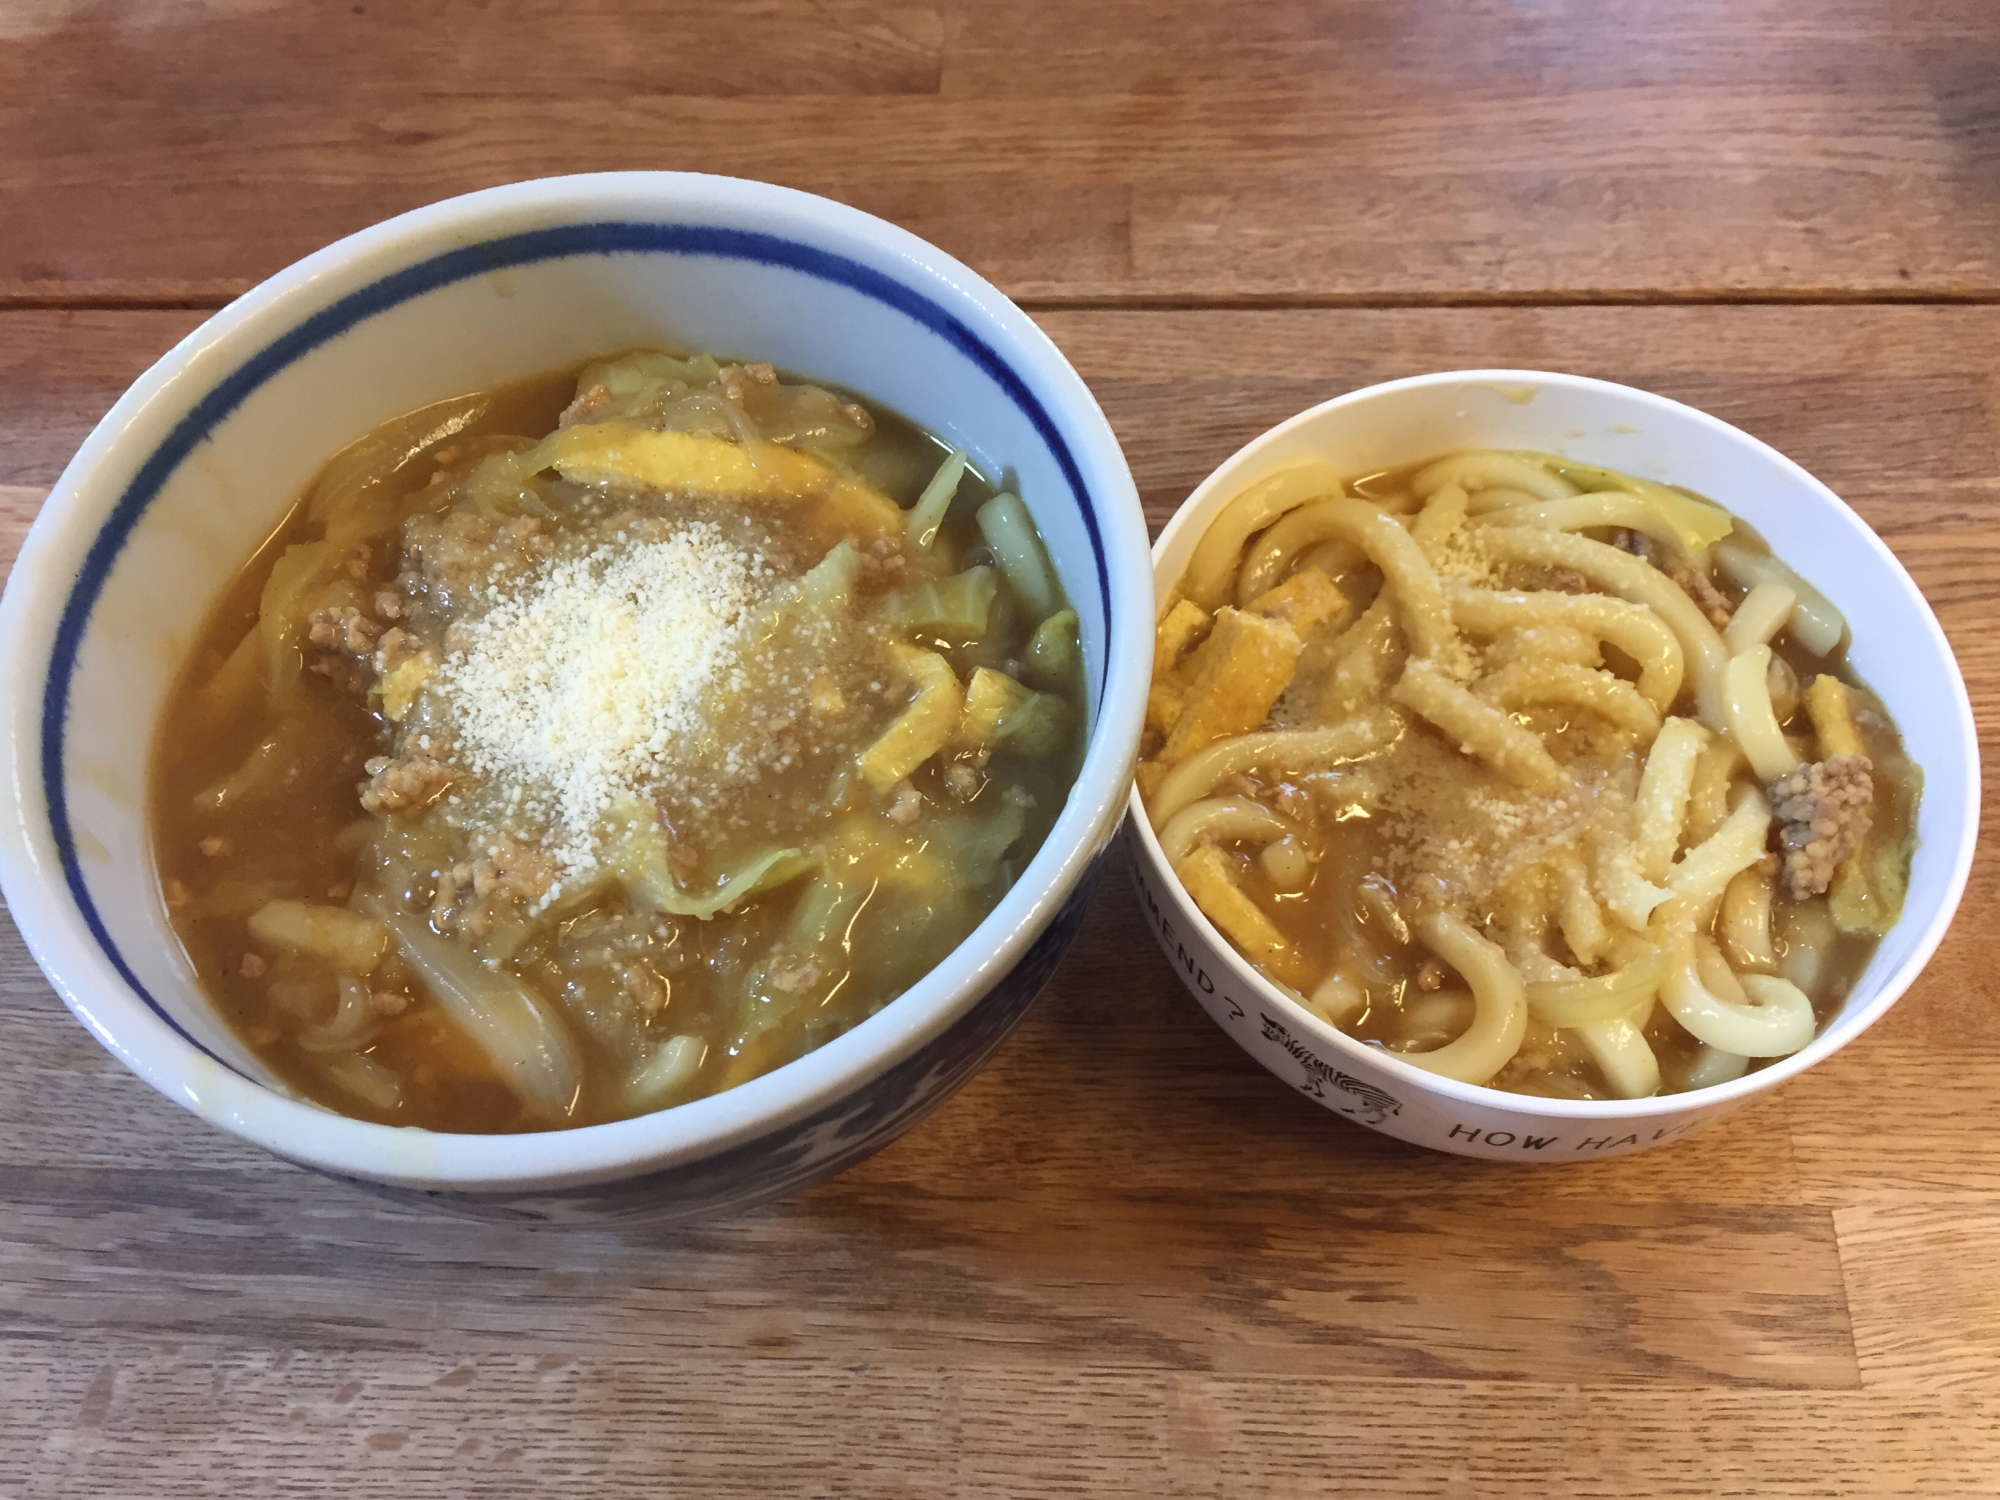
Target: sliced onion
[{"x": 512, "y": 1025}]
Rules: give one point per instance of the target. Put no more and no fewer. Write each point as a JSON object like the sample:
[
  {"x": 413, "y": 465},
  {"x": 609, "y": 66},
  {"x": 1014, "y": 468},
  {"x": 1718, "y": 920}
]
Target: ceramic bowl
[
  {"x": 1898, "y": 649},
  {"x": 196, "y": 463}
]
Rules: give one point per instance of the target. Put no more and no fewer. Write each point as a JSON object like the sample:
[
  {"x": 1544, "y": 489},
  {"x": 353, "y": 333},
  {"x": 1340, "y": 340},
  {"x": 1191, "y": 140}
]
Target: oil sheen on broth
[
  {"x": 1538, "y": 775},
  {"x": 598, "y": 742}
]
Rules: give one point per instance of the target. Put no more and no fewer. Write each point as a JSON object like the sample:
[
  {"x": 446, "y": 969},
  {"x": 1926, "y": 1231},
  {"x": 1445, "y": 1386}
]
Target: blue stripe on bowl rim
[{"x": 611, "y": 237}]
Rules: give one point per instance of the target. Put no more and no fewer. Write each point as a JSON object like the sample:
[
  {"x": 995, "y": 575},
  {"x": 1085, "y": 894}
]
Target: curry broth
[{"x": 302, "y": 840}]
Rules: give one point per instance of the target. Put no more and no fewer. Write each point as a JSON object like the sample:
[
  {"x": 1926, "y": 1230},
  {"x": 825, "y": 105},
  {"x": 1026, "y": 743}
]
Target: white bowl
[
  {"x": 198, "y": 460},
  {"x": 1898, "y": 650}
]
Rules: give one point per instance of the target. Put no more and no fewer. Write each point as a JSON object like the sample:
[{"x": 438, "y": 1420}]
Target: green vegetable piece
[
  {"x": 1001, "y": 713},
  {"x": 928, "y": 514},
  {"x": 641, "y": 383},
  {"x": 636, "y": 852},
  {"x": 1053, "y": 651},
  {"x": 1010, "y": 531},
  {"x": 1041, "y": 726},
  {"x": 957, "y": 606}
]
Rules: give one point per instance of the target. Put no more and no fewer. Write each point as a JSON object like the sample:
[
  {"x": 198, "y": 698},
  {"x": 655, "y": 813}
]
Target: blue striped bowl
[{"x": 191, "y": 469}]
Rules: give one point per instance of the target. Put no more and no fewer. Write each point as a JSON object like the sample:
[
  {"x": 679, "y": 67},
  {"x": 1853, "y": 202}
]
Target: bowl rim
[
  {"x": 901, "y": 271},
  {"x": 1823, "y": 1044}
]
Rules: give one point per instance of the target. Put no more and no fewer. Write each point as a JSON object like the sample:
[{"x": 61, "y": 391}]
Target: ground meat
[
  {"x": 465, "y": 550},
  {"x": 344, "y": 640},
  {"x": 882, "y": 560},
  {"x": 513, "y": 872},
  {"x": 793, "y": 979},
  {"x": 396, "y": 647},
  {"x": 477, "y": 895},
  {"x": 1693, "y": 582},
  {"x": 395, "y": 785},
  {"x": 388, "y": 1002},
  {"x": 454, "y": 551},
  {"x": 343, "y": 629},
  {"x": 1822, "y": 812},
  {"x": 350, "y": 678},
  {"x": 908, "y": 806},
  {"x": 524, "y": 535},
  {"x": 587, "y": 406},
  {"x": 644, "y": 988}
]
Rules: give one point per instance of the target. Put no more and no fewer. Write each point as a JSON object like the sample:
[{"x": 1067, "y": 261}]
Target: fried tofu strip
[
  {"x": 1830, "y": 705},
  {"x": 1207, "y": 877},
  {"x": 1181, "y": 628},
  {"x": 621, "y": 453},
  {"x": 919, "y": 731},
  {"x": 1307, "y": 601},
  {"x": 1238, "y": 673}
]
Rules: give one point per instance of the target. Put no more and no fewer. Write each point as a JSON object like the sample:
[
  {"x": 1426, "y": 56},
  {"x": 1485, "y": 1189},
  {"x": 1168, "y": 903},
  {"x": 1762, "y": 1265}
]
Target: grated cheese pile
[{"x": 584, "y": 680}]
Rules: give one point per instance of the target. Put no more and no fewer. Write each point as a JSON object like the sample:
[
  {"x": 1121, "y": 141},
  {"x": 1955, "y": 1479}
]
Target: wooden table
[{"x": 1124, "y": 1261}]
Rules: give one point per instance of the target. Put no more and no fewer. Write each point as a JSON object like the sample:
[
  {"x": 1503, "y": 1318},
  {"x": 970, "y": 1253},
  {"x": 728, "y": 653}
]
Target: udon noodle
[{"x": 1538, "y": 775}]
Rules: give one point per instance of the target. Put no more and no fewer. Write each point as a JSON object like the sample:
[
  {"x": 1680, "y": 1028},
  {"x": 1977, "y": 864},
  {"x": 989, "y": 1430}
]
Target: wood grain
[
  {"x": 1130, "y": 149},
  {"x": 1122, "y": 1260},
  {"x": 19, "y": 504},
  {"x": 130, "y": 1419},
  {"x": 1926, "y": 1302},
  {"x": 61, "y": 371}
]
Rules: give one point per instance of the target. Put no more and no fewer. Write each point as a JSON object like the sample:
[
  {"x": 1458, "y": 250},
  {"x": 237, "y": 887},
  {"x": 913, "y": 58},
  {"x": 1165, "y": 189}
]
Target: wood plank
[
  {"x": 61, "y": 371},
  {"x": 19, "y": 504},
  {"x": 1926, "y": 1302},
  {"x": 1003, "y": 46},
  {"x": 1270, "y": 1278},
  {"x": 1918, "y": 1140},
  {"x": 132, "y": 1417},
  {"x": 1239, "y": 1229},
  {"x": 1894, "y": 409},
  {"x": 65, "y": 1099},
  {"x": 1370, "y": 150}
]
